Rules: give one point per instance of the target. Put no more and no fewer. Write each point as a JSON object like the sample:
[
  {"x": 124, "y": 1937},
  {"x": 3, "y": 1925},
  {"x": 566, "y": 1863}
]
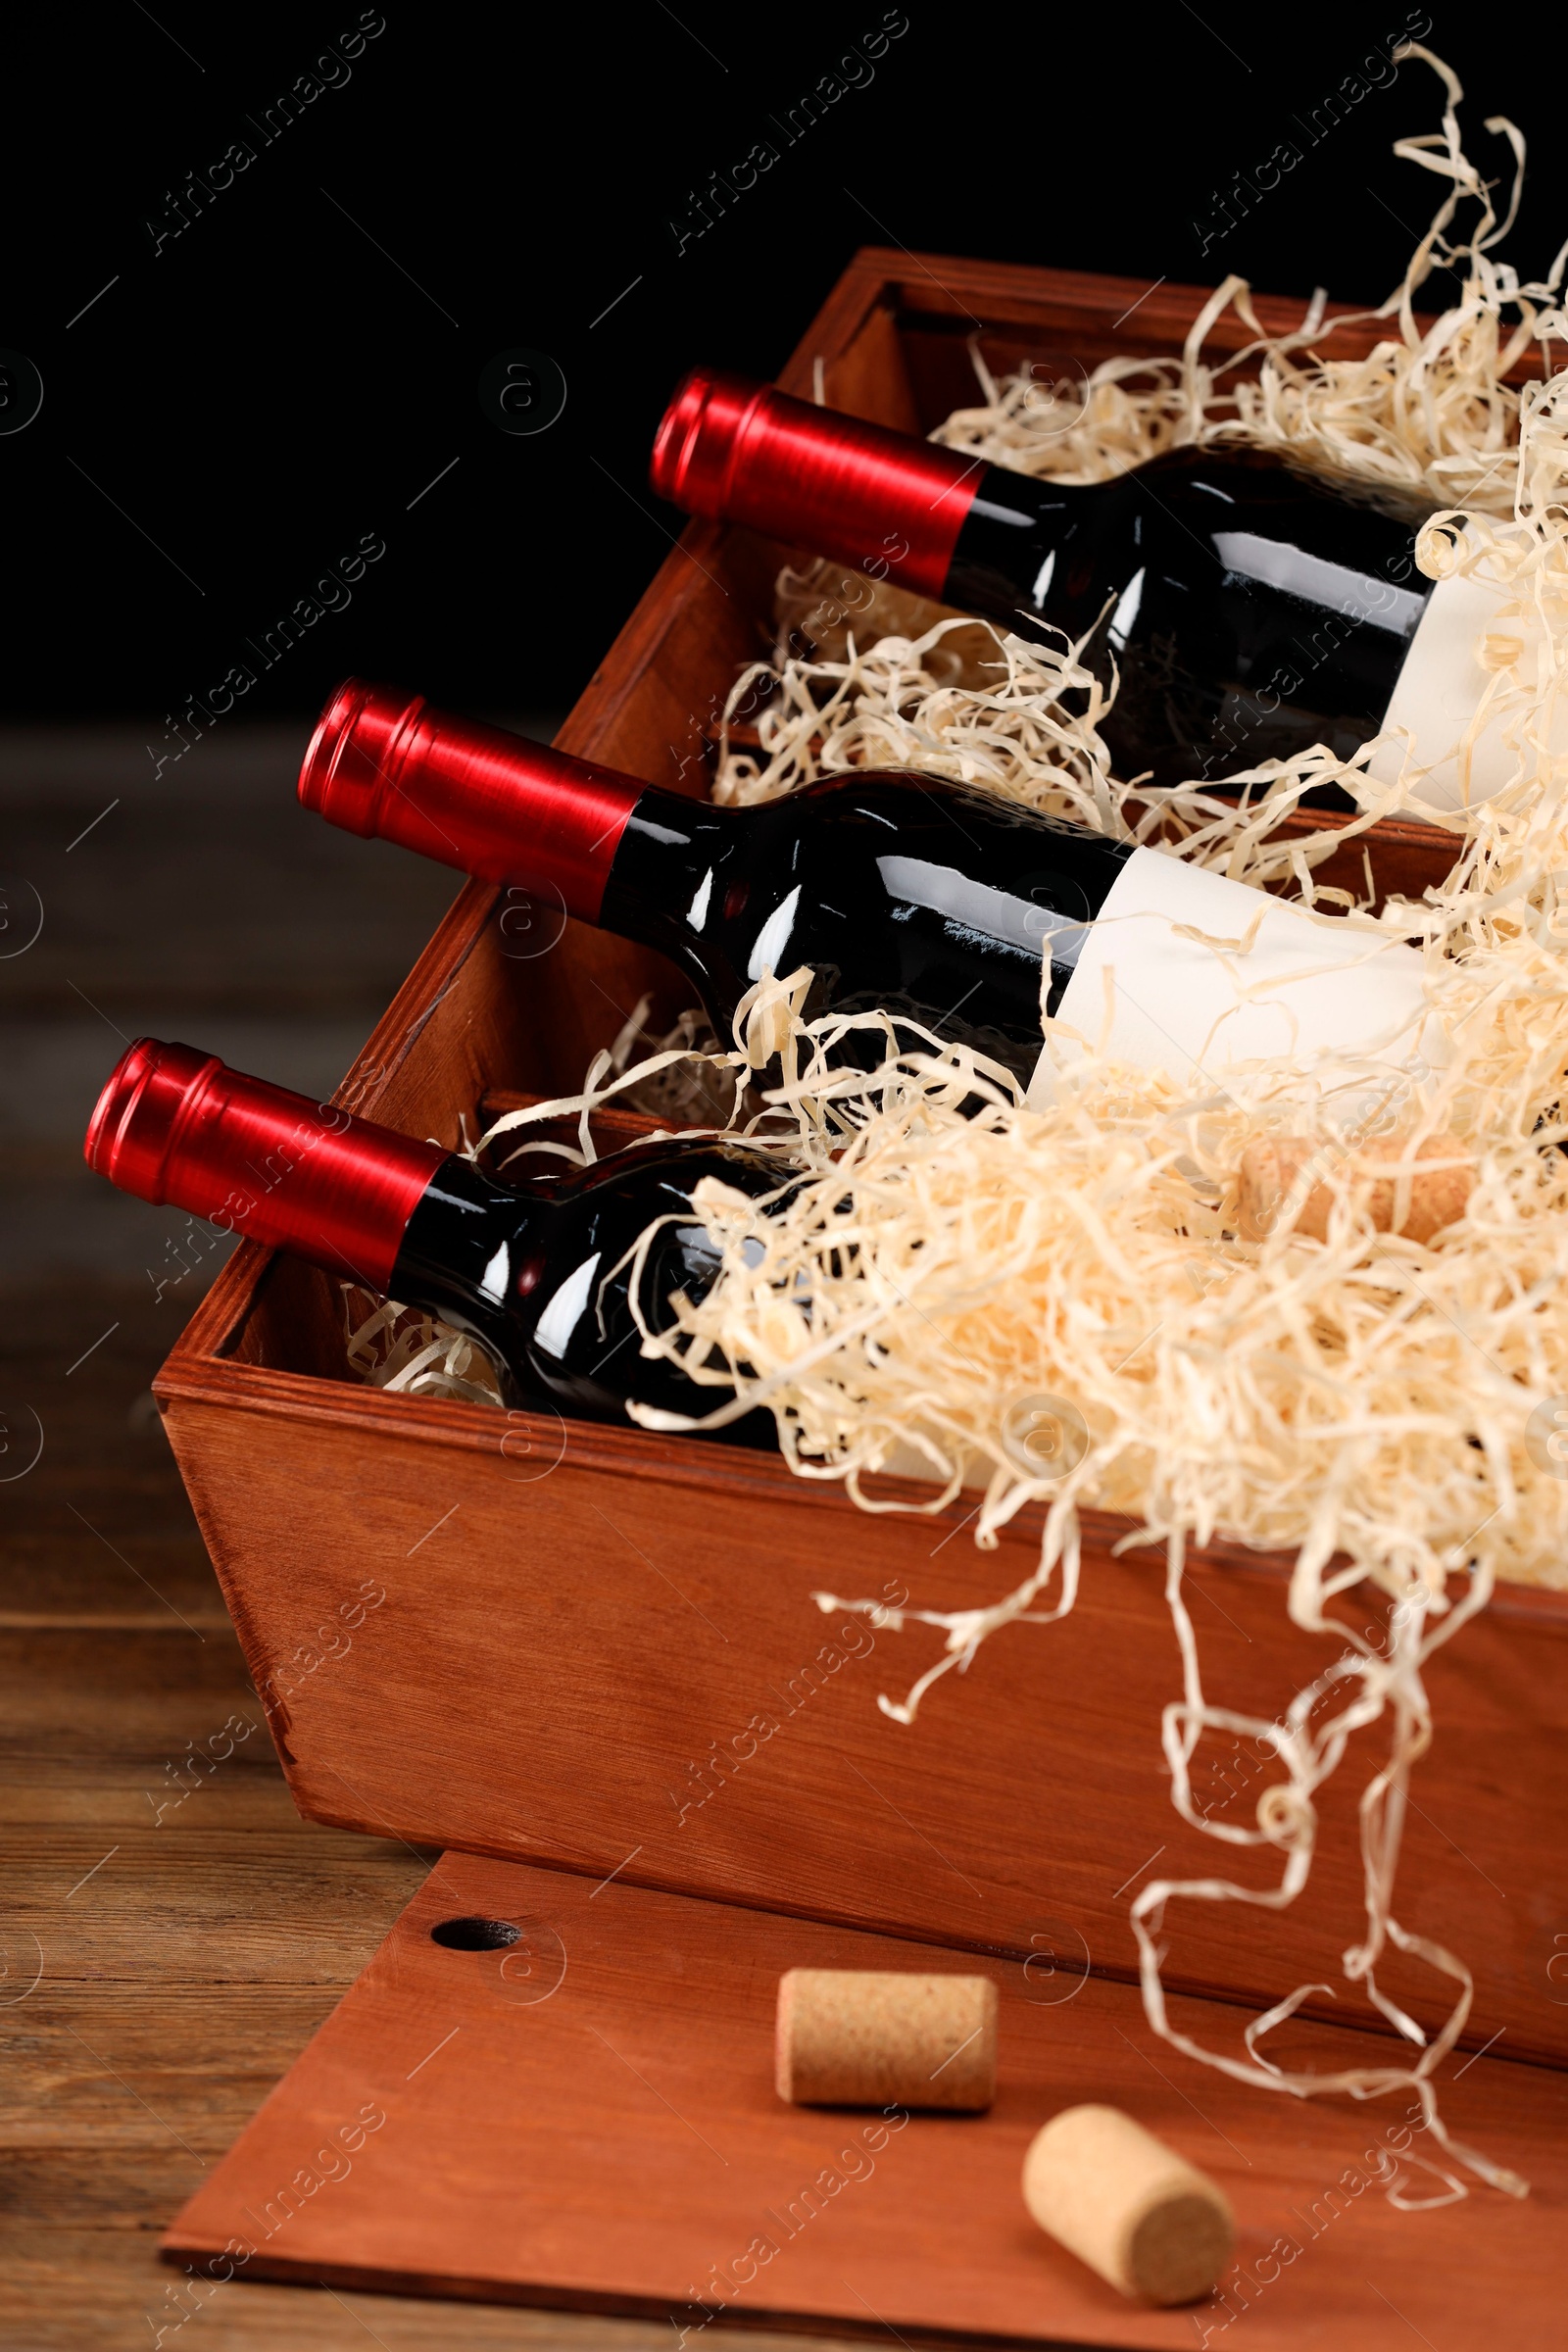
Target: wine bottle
[
  {"x": 905, "y": 894},
  {"x": 1249, "y": 611},
  {"x": 538, "y": 1272}
]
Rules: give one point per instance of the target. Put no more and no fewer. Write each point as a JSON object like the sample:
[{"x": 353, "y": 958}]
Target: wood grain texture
[
  {"x": 580, "y": 1623},
  {"x": 588, "y": 2117},
  {"x": 597, "y": 1650}
]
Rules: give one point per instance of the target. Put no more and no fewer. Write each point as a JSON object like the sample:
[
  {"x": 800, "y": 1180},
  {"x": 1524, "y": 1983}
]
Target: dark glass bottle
[
  {"x": 539, "y": 1272},
  {"x": 903, "y": 894},
  {"x": 1249, "y": 611}
]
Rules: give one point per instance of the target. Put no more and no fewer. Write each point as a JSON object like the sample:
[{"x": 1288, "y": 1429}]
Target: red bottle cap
[
  {"x": 386, "y": 764},
  {"x": 174, "y": 1125},
  {"x": 740, "y": 452}
]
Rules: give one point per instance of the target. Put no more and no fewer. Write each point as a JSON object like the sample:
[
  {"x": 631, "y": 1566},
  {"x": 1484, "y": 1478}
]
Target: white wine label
[
  {"x": 1200, "y": 975},
  {"x": 1440, "y": 689}
]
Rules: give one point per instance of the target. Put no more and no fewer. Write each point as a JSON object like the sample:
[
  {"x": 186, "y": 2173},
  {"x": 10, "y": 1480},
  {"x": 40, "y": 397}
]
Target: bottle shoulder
[
  {"x": 621, "y": 1240},
  {"x": 672, "y": 1167},
  {"x": 1222, "y": 489},
  {"x": 913, "y": 801}
]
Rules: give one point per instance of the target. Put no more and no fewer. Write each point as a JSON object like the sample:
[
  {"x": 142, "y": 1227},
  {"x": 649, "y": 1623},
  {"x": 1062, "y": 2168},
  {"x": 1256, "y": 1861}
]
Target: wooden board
[{"x": 587, "y": 2118}]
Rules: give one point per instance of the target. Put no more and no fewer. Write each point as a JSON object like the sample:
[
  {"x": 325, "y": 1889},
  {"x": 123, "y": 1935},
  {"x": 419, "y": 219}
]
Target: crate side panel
[
  {"x": 869, "y": 377},
  {"x": 663, "y": 682},
  {"x": 295, "y": 1322},
  {"x": 617, "y": 1672}
]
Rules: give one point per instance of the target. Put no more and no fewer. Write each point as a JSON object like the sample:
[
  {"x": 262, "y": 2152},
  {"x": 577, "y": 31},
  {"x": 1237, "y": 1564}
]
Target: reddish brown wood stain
[
  {"x": 578, "y": 1620},
  {"x": 618, "y": 2144}
]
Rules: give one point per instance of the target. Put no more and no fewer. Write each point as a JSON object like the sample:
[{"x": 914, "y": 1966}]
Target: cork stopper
[
  {"x": 863, "y": 2037},
  {"x": 1151, "y": 2224},
  {"x": 1417, "y": 1203}
]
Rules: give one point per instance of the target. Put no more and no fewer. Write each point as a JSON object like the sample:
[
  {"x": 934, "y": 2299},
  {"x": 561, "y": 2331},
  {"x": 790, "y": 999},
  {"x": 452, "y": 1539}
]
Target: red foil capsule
[
  {"x": 386, "y": 764},
  {"x": 176, "y": 1125},
  {"x": 884, "y": 502}
]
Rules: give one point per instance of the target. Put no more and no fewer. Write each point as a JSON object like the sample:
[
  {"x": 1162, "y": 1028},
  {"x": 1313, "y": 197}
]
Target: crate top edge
[
  {"x": 254, "y": 1390},
  {"x": 1043, "y": 286},
  {"x": 261, "y": 1391},
  {"x": 1036, "y": 295}
]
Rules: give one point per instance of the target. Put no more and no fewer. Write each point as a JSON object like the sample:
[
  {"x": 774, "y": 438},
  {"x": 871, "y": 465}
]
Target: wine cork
[
  {"x": 863, "y": 2037},
  {"x": 1434, "y": 1197},
  {"x": 1151, "y": 2223}
]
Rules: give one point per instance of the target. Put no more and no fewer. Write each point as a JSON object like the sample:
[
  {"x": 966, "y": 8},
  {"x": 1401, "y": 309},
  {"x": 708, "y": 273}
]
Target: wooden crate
[{"x": 561, "y": 1643}]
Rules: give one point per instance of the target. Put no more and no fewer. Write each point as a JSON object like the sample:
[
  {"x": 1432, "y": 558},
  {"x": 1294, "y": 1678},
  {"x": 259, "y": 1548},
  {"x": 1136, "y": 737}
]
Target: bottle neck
[
  {"x": 544, "y": 1279},
  {"x": 387, "y": 765},
  {"x": 884, "y": 502},
  {"x": 463, "y": 1247},
  {"x": 175, "y": 1126},
  {"x": 1014, "y": 556},
  {"x": 670, "y": 859}
]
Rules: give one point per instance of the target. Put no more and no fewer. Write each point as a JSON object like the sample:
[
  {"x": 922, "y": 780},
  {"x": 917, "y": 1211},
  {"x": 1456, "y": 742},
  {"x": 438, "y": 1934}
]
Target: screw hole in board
[{"x": 474, "y": 1934}]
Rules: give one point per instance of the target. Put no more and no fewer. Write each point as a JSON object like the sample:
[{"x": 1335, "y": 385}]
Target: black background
[{"x": 224, "y": 421}]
